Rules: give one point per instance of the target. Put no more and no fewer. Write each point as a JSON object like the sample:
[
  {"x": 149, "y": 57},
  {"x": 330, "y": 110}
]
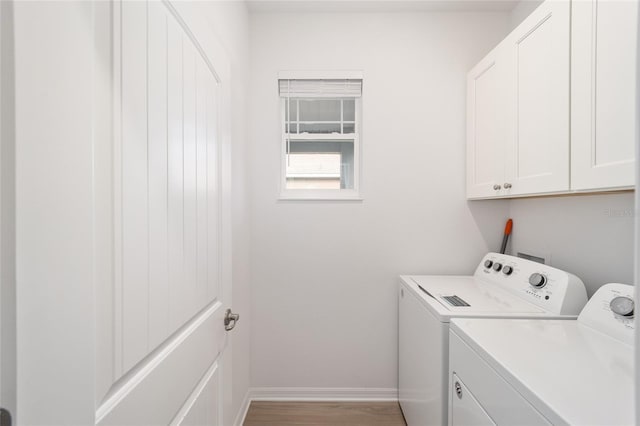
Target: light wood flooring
[{"x": 324, "y": 413}]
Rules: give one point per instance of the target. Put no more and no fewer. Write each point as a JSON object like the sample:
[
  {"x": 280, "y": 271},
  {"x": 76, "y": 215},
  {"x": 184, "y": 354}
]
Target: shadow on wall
[{"x": 490, "y": 217}]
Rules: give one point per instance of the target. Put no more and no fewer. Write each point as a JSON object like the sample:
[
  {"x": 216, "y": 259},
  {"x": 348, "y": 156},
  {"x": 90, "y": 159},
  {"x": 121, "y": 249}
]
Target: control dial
[
  {"x": 622, "y": 306},
  {"x": 497, "y": 266},
  {"x": 488, "y": 264},
  {"x": 507, "y": 270},
  {"x": 537, "y": 280}
]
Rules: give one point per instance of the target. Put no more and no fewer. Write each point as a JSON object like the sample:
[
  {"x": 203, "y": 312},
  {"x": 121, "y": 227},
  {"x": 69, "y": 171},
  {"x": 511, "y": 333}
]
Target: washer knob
[
  {"x": 622, "y": 306},
  {"x": 497, "y": 266},
  {"x": 507, "y": 270},
  {"x": 488, "y": 264},
  {"x": 537, "y": 280}
]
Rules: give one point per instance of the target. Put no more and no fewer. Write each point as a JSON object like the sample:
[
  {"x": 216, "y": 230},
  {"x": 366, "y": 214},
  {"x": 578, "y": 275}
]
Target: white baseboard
[
  {"x": 244, "y": 409},
  {"x": 313, "y": 394},
  {"x": 323, "y": 394}
]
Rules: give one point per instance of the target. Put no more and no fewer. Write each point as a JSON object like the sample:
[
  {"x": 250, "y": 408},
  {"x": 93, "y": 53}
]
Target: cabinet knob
[
  {"x": 497, "y": 187},
  {"x": 507, "y": 185}
]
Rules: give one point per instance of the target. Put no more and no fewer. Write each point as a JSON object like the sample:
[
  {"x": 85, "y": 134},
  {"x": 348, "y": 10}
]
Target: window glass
[
  {"x": 348, "y": 128},
  {"x": 320, "y": 165},
  {"x": 320, "y": 128},
  {"x": 349, "y": 113},
  {"x": 319, "y": 109},
  {"x": 294, "y": 110}
]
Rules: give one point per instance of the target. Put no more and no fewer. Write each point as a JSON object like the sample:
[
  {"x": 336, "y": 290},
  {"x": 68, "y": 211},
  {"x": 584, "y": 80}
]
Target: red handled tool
[{"x": 507, "y": 232}]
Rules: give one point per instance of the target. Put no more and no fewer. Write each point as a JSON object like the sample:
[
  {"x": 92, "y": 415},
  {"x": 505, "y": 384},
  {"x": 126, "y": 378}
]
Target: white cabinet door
[
  {"x": 603, "y": 87},
  {"x": 538, "y": 151},
  {"x": 486, "y": 125}
]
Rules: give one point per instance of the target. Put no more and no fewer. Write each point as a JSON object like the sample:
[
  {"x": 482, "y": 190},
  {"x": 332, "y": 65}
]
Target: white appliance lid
[
  {"x": 570, "y": 372},
  {"x": 482, "y": 298}
]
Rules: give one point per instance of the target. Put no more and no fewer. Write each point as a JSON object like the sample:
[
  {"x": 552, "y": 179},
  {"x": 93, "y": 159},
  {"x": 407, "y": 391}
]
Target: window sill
[{"x": 314, "y": 196}]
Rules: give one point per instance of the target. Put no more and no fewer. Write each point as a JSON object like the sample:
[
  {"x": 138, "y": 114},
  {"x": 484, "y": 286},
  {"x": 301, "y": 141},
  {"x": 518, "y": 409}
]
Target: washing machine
[
  {"x": 546, "y": 372},
  {"x": 502, "y": 286}
]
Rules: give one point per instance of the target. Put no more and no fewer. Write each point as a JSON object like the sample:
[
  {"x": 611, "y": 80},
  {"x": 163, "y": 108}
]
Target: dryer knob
[
  {"x": 507, "y": 270},
  {"x": 537, "y": 280},
  {"x": 497, "y": 266},
  {"x": 622, "y": 306},
  {"x": 488, "y": 264}
]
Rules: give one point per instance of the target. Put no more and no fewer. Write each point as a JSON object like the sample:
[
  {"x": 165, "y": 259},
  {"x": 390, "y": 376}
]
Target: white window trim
[{"x": 322, "y": 194}]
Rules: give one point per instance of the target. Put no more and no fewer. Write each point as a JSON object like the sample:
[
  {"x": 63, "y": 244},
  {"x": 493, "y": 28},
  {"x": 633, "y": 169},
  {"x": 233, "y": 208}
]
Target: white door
[
  {"x": 123, "y": 268},
  {"x": 486, "y": 124},
  {"x": 538, "y": 155},
  {"x": 604, "y": 48}
]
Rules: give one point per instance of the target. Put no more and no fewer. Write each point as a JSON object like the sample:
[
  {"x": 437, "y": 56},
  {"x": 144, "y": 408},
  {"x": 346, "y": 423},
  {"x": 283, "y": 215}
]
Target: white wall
[
  {"x": 590, "y": 236},
  {"x": 324, "y": 273},
  {"x": 521, "y": 11}
]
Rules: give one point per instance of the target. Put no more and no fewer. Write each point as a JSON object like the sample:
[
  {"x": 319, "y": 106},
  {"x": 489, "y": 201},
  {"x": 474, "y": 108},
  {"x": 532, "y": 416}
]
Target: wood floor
[{"x": 324, "y": 413}]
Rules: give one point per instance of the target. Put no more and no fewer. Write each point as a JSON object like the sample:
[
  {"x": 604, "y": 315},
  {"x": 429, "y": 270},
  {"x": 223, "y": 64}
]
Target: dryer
[
  {"x": 546, "y": 371},
  {"x": 502, "y": 287}
]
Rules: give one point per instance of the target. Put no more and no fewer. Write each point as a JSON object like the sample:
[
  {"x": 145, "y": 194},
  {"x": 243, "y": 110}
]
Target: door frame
[{"x": 7, "y": 213}]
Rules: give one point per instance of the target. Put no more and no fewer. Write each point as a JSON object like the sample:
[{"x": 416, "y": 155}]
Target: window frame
[{"x": 353, "y": 194}]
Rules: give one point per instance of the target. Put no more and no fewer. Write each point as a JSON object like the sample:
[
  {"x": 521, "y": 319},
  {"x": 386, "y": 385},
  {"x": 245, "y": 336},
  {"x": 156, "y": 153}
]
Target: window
[{"x": 320, "y": 134}]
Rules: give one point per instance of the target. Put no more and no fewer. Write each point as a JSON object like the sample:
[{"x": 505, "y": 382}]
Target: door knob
[{"x": 230, "y": 320}]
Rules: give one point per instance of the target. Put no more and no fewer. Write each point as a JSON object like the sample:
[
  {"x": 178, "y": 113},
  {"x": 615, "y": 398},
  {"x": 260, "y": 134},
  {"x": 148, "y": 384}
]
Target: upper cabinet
[
  {"x": 538, "y": 141},
  {"x": 603, "y": 87},
  {"x": 551, "y": 109}
]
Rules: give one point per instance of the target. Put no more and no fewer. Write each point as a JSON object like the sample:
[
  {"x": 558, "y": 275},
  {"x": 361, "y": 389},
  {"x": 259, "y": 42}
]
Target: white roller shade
[{"x": 345, "y": 88}]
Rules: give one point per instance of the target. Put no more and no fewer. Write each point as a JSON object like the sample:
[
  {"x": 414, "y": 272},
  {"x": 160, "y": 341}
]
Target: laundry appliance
[
  {"x": 546, "y": 372},
  {"x": 502, "y": 286}
]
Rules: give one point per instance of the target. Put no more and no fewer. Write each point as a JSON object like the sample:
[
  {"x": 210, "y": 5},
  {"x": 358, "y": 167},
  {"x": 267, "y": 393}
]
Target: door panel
[
  {"x": 120, "y": 302},
  {"x": 486, "y": 131},
  {"x": 156, "y": 392},
  {"x": 171, "y": 330},
  {"x": 175, "y": 212},
  {"x": 538, "y": 156},
  {"x": 603, "y": 79},
  {"x": 214, "y": 236},
  {"x": 198, "y": 411},
  {"x": 202, "y": 221},
  {"x": 187, "y": 292},
  {"x": 134, "y": 252},
  {"x": 158, "y": 175}
]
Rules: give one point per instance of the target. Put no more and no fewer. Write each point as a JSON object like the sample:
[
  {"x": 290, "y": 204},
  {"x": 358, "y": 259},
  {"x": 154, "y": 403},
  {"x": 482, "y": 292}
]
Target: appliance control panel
[
  {"x": 611, "y": 310},
  {"x": 552, "y": 289}
]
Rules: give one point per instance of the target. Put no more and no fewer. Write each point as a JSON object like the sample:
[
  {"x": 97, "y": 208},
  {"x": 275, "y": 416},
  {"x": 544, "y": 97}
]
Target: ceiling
[{"x": 265, "y": 6}]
